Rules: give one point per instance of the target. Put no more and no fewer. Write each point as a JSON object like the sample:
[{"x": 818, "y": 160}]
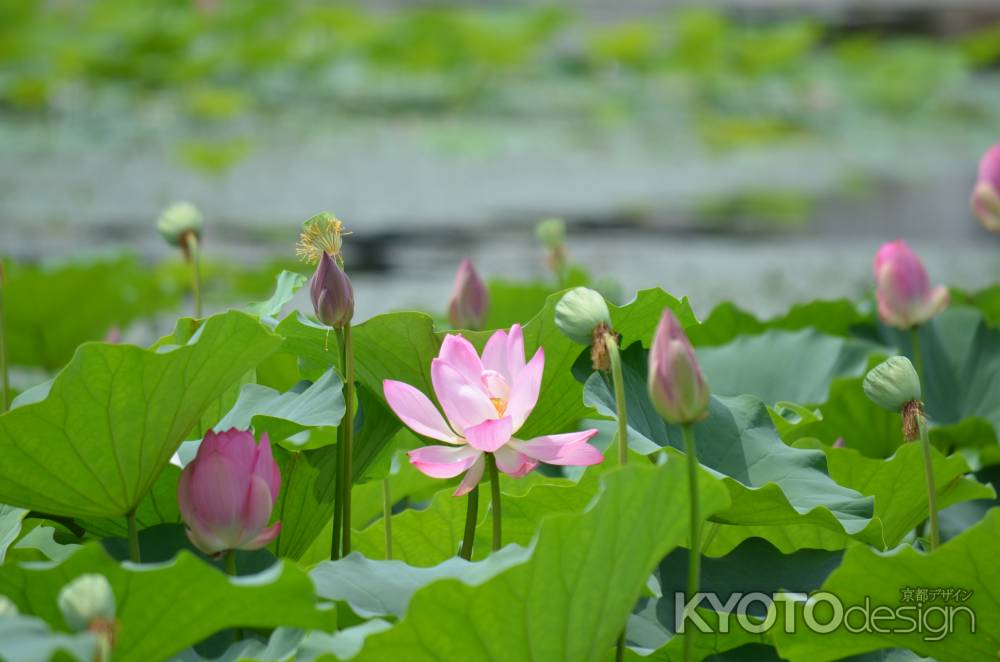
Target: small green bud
[
  {"x": 892, "y": 384},
  {"x": 551, "y": 232},
  {"x": 7, "y": 607},
  {"x": 579, "y": 312},
  {"x": 177, "y": 220},
  {"x": 86, "y": 599}
]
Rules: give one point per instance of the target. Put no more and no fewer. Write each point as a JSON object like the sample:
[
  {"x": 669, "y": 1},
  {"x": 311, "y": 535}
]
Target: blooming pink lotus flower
[
  {"x": 986, "y": 195},
  {"x": 227, "y": 492},
  {"x": 486, "y": 401},
  {"x": 469, "y": 300},
  {"x": 677, "y": 388},
  {"x": 905, "y": 297}
]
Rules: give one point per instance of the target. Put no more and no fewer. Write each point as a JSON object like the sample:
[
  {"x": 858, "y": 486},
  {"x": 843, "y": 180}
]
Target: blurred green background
[{"x": 755, "y": 150}]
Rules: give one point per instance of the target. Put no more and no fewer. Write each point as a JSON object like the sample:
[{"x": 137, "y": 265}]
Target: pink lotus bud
[
  {"x": 331, "y": 293},
  {"x": 227, "y": 492},
  {"x": 986, "y": 194},
  {"x": 839, "y": 443},
  {"x": 676, "y": 386},
  {"x": 905, "y": 297},
  {"x": 469, "y": 300}
]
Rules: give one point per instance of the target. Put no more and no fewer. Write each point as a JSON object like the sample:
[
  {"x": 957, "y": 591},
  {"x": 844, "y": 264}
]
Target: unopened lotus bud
[
  {"x": 551, "y": 232},
  {"x": 986, "y": 194},
  {"x": 839, "y": 443},
  {"x": 332, "y": 293},
  {"x": 86, "y": 599},
  {"x": 904, "y": 293},
  {"x": 469, "y": 301},
  {"x": 677, "y": 387},
  {"x": 892, "y": 383},
  {"x": 7, "y": 607},
  {"x": 179, "y": 220},
  {"x": 579, "y": 312}
]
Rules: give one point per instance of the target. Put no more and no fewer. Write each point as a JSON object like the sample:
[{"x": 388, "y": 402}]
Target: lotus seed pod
[
  {"x": 85, "y": 599},
  {"x": 892, "y": 384},
  {"x": 7, "y": 608},
  {"x": 579, "y": 312},
  {"x": 551, "y": 232},
  {"x": 179, "y": 219}
]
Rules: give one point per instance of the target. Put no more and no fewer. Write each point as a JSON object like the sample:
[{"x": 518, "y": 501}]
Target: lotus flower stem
[
  {"x": 230, "y": 558},
  {"x": 4, "y": 376},
  {"x": 925, "y": 441},
  {"x": 194, "y": 253},
  {"x": 694, "y": 555},
  {"x": 918, "y": 357},
  {"x": 471, "y": 515},
  {"x": 491, "y": 463},
  {"x": 622, "y": 415},
  {"x": 133, "y": 539},
  {"x": 387, "y": 516},
  {"x": 338, "y": 510},
  {"x": 347, "y": 424}
]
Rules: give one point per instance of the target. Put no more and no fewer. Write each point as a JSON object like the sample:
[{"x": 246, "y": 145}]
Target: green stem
[
  {"x": 918, "y": 356},
  {"x": 348, "y": 425},
  {"x": 387, "y": 517},
  {"x": 231, "y": 563},
  {"x": 620, "y": 647},
  {"x": 4, "y": 370},
  {"x": 194, "y": 253},
  {"x": 133, "y": 539},
  {"x": 471, "y": 517},
  {"x": 338, "y": 487},
  {"x": 491, "y": 463},
  {"x": 694, "y": 555},
  {"x": 619, "y": 383},
  {"x": 925, "y": 441}
]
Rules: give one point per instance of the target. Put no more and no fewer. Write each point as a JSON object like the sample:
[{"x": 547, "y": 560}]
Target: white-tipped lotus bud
[
  {"x": 7, "y": 607},
  {"x": 892, "y": 383},
  {"x": 178, "y": 220}
]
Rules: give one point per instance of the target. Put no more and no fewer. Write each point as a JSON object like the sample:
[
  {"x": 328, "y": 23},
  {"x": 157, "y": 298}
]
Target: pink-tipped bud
[
  {"x": 986, "y": 195},
  {"x": 677, "y": 387},
  {"x": 227, "y": 492},
  {"x": 469, "y": 300},
  {"x": 331, "y": 293},
  {"x": 839, "y": 443},
  {"x": 905, "y": 296}
]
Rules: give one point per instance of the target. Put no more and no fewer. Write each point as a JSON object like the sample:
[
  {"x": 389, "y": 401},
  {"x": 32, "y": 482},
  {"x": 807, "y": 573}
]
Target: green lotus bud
[
  {"x": 177, "y": 220},
  {"x": 7, "y": 607},
  {"x": 893, "y": 384},
  {"x": 579, "y": 312},
  {"x": 551, "y": 232},
  {"x": 86, "y": 599}
]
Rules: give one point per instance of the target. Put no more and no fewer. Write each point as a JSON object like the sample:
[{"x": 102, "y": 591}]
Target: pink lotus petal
[
  {"x": 513, "y": 463},
  {"x": 459, "y": 353},
  {"x": 216, "y": 490},
  {"x": 495, "y": 354},
  {"x": 266, "y": 468},
  {"x": 443, "y": 461},
  {"x": 256, "y": 509},
  {"x": 464, "y": 403},
  {"x": 203, "y": 538},
  {"x": 490, "y": 435},
  {"x": 570, "y": 449},
  {"x": 472, "y": 476},
  {"x": 417, "y": 411},
  {"x": 264, "y": 538},
  {"x": 524, "y": 392},
  {"x": 515, "y": 353}
]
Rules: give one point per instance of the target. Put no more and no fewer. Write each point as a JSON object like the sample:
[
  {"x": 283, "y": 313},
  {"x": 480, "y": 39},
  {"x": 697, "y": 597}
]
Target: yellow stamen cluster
[
  {"x": 500, "y": 405},
  {"x": 321, "y": 234}
]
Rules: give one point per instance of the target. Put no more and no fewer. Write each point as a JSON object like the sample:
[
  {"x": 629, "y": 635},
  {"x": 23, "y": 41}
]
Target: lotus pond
[{"x": 519, "y": 474}]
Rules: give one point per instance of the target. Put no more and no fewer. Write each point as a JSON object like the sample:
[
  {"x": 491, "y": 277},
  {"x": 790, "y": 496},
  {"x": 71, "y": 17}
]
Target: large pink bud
[
  {"x": 905, "y": 296},
  {"x": 986, "y": 195},
  {"x": 227, "y": 492},
  {"x": 469, "y": 299},
  {"x": 677, "y": 387}
]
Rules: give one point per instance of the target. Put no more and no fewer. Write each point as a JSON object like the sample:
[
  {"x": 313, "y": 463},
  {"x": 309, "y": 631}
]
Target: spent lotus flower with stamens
[
  {"x": 486, "y": 399},
  {"x": 986, "y": 194},
  {"x": 321, "y": 234},
  {"x": 905, "y": 296},
  {"x": 227, "y": 492},
  {"x": 677, "y": 387},
  {"x": 469, "y": 301}
]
